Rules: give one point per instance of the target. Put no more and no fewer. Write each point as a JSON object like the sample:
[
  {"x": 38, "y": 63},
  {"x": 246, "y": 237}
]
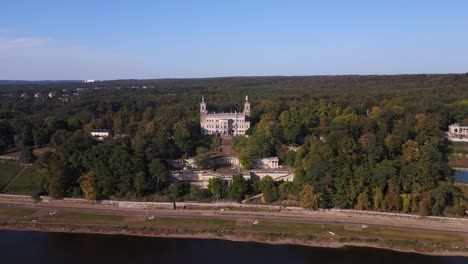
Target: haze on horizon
[{"x": 59, "y": 40}]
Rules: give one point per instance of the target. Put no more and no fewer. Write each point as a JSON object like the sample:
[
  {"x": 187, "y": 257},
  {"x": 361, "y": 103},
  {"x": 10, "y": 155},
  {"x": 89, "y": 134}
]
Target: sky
[{"x": 105, "y": 39}]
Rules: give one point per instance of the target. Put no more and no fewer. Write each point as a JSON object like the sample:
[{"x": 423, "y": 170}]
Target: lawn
[
  {"x": 81, "y": 218},
  {"x": 28, "y": 182},
  {"x": 459, "y": 147},
  {"x": 8, "y": 170}
]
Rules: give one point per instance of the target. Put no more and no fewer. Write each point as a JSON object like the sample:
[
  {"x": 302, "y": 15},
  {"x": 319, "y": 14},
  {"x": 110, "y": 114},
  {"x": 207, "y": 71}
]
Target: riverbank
[{"x": 238, "y": 226}]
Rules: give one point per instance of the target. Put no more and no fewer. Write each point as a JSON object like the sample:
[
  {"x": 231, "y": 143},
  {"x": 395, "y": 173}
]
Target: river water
[
  {"x": 37, "y": 247},
  {"x": 461, "y": 176}
]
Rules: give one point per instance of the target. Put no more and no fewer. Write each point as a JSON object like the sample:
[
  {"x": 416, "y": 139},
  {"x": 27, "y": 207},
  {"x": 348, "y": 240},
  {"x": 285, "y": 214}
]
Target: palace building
[{"x": 225, "y": 124}]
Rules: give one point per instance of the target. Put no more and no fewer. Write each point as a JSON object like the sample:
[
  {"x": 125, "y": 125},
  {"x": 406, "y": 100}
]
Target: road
[{"x": 313, "y": 217}]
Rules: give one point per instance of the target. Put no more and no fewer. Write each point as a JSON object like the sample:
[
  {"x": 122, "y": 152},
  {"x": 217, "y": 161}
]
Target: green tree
[
  {"x": 238, "y": 188},
  {"x": 176, "y": 191},
  {"x": 140, "y": 183},
  {"x": 268, "y": 188},
  {"x": 27, "y": 155},
  {"x": 195, "y": 193},
  {"x": 203, "y": 160},
  {"x": 159, "y": 174},
  {"x": 216, "y": 187}
]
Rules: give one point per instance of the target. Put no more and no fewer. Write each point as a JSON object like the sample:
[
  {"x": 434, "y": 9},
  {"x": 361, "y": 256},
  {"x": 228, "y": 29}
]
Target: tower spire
[{"x": 246, "y": 98}]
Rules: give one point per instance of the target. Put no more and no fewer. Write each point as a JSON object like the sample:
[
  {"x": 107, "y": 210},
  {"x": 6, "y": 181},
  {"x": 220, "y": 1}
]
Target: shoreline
[{"x": 45, "y": 228}]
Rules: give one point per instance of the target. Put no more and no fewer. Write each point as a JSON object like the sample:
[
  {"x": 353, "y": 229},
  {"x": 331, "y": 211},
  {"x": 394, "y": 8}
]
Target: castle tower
[
  {"x": 203, "y": 110},
  {"x": 247, "y": 106}
]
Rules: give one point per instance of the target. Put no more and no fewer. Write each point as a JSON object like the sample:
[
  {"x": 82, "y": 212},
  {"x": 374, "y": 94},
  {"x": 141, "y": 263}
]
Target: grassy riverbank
[{"x": 325, "y": 235}]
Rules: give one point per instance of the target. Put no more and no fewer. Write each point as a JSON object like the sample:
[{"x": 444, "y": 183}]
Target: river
[
  {"x": 37, "y": 247},
  {"x": 461, "y": 176}
]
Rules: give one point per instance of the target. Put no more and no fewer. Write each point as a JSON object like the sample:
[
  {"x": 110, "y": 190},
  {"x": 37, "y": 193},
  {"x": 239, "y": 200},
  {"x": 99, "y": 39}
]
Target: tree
[
  {"x": 27, "y": 155},
  {"x": 238, "y": 188},
  {"x": 410, "y": 150},
  {"x": 363, "y": 201},
  {"x": 159, "y": 173},
  {"x": 88, "y": 186},
  {"x": 176, "y": 191},
  {"x": 308, "y": 198},
  {"x": 267, "y": 186},
  {"x": 57, "y": 178},
  {"x": 425, "y": 204},
  {"x": 406, "y": 200},
  {"x": 140, "y": 183},
  {"x": 202, "y": 160},
  {"x": 393, "y": 144},
  {"x": 195, "y": 193},
  {"x": 216, "y": 187},
  {"x": 246, "y": 161},
  {"x": 393, "y": 196},
  {"x": 378, "y": 198}
]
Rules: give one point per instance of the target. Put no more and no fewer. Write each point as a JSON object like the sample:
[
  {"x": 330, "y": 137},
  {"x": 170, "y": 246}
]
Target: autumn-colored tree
[
  {"x": 425, "y": 204},
  {"x": 393, "y": 196},
  {"x": 392, "y": 143},
  {"x": 308, "y": 198},
  {"x": 406, "y": 200},
  {"x": 88, "y": 186},
  {"x": 410, "y": 150},
  {"x": 378, "y": 198},
  {"x": 363, "y": 201}
]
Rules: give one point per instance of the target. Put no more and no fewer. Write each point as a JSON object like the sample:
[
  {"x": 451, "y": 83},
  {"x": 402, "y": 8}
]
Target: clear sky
[{"x": 111, "y": 39}]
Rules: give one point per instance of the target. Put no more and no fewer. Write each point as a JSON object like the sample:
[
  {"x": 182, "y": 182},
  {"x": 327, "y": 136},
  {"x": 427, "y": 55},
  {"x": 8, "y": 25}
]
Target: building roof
[
  {"x": 97, "y": 130},
  {"x": 226, "y": 115}
]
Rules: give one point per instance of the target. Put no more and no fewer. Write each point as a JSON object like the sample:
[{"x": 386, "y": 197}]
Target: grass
[
  {"x": 27, "y": 183},
  {"x": 464, "y": 188},
  {"x": 191, "y": 222},
  {"x": 458, "y": 160},
  {"x": 459, "y": 147},
  {"x": 8, "y": 170},
  {"x": 77, "y": 218},
  {"x": 8, "y": 214}
]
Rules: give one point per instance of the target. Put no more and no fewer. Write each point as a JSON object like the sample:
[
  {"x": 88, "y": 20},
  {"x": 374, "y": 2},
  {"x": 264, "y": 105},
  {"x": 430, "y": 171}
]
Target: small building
[
  {"x": 100, "y": 134},
  {"x": 51, "y": 94},
  {"x": 24, "y": 95},
  {"x": 38, "y": 95},
  {"x": 458, "y": 131},
  {"x": 266, "y": 163}
]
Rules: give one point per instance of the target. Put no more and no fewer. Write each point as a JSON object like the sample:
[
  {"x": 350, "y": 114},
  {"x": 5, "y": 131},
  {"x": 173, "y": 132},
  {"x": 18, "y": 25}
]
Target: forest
[{"x": 363, "y": 142}]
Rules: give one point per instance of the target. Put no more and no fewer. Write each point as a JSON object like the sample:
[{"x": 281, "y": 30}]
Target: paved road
[{"x": 460, "y": 228}]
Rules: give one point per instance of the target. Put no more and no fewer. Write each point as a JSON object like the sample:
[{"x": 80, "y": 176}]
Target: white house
[
  {"x": 458, "y": 131},
  {"x": 266, "y": 163},
  {"x": 100, "y": 134}
]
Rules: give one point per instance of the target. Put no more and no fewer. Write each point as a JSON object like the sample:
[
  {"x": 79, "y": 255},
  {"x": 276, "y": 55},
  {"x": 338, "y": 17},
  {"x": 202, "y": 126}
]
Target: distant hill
[{"x": 19, "y": 82}]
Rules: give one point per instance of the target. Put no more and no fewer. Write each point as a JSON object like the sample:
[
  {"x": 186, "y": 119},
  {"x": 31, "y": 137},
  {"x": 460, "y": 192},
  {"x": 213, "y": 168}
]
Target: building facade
[
  {"x": 458, "y": 131},
  {"x": 100, "y": 134},
  {"x": 225, "y": 124}
]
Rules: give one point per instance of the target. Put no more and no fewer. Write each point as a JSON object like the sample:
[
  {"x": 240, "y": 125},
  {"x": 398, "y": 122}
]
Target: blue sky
[{"x": 176, "y": 39}]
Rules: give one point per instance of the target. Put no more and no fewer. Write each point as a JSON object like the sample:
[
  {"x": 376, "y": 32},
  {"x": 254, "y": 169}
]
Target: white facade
[
  {"x": 458, "y": 131},
  {"x": 100, "y": 134},
  {"x": 224, "y": 124},
  {"x": 267, "y": 163}
]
